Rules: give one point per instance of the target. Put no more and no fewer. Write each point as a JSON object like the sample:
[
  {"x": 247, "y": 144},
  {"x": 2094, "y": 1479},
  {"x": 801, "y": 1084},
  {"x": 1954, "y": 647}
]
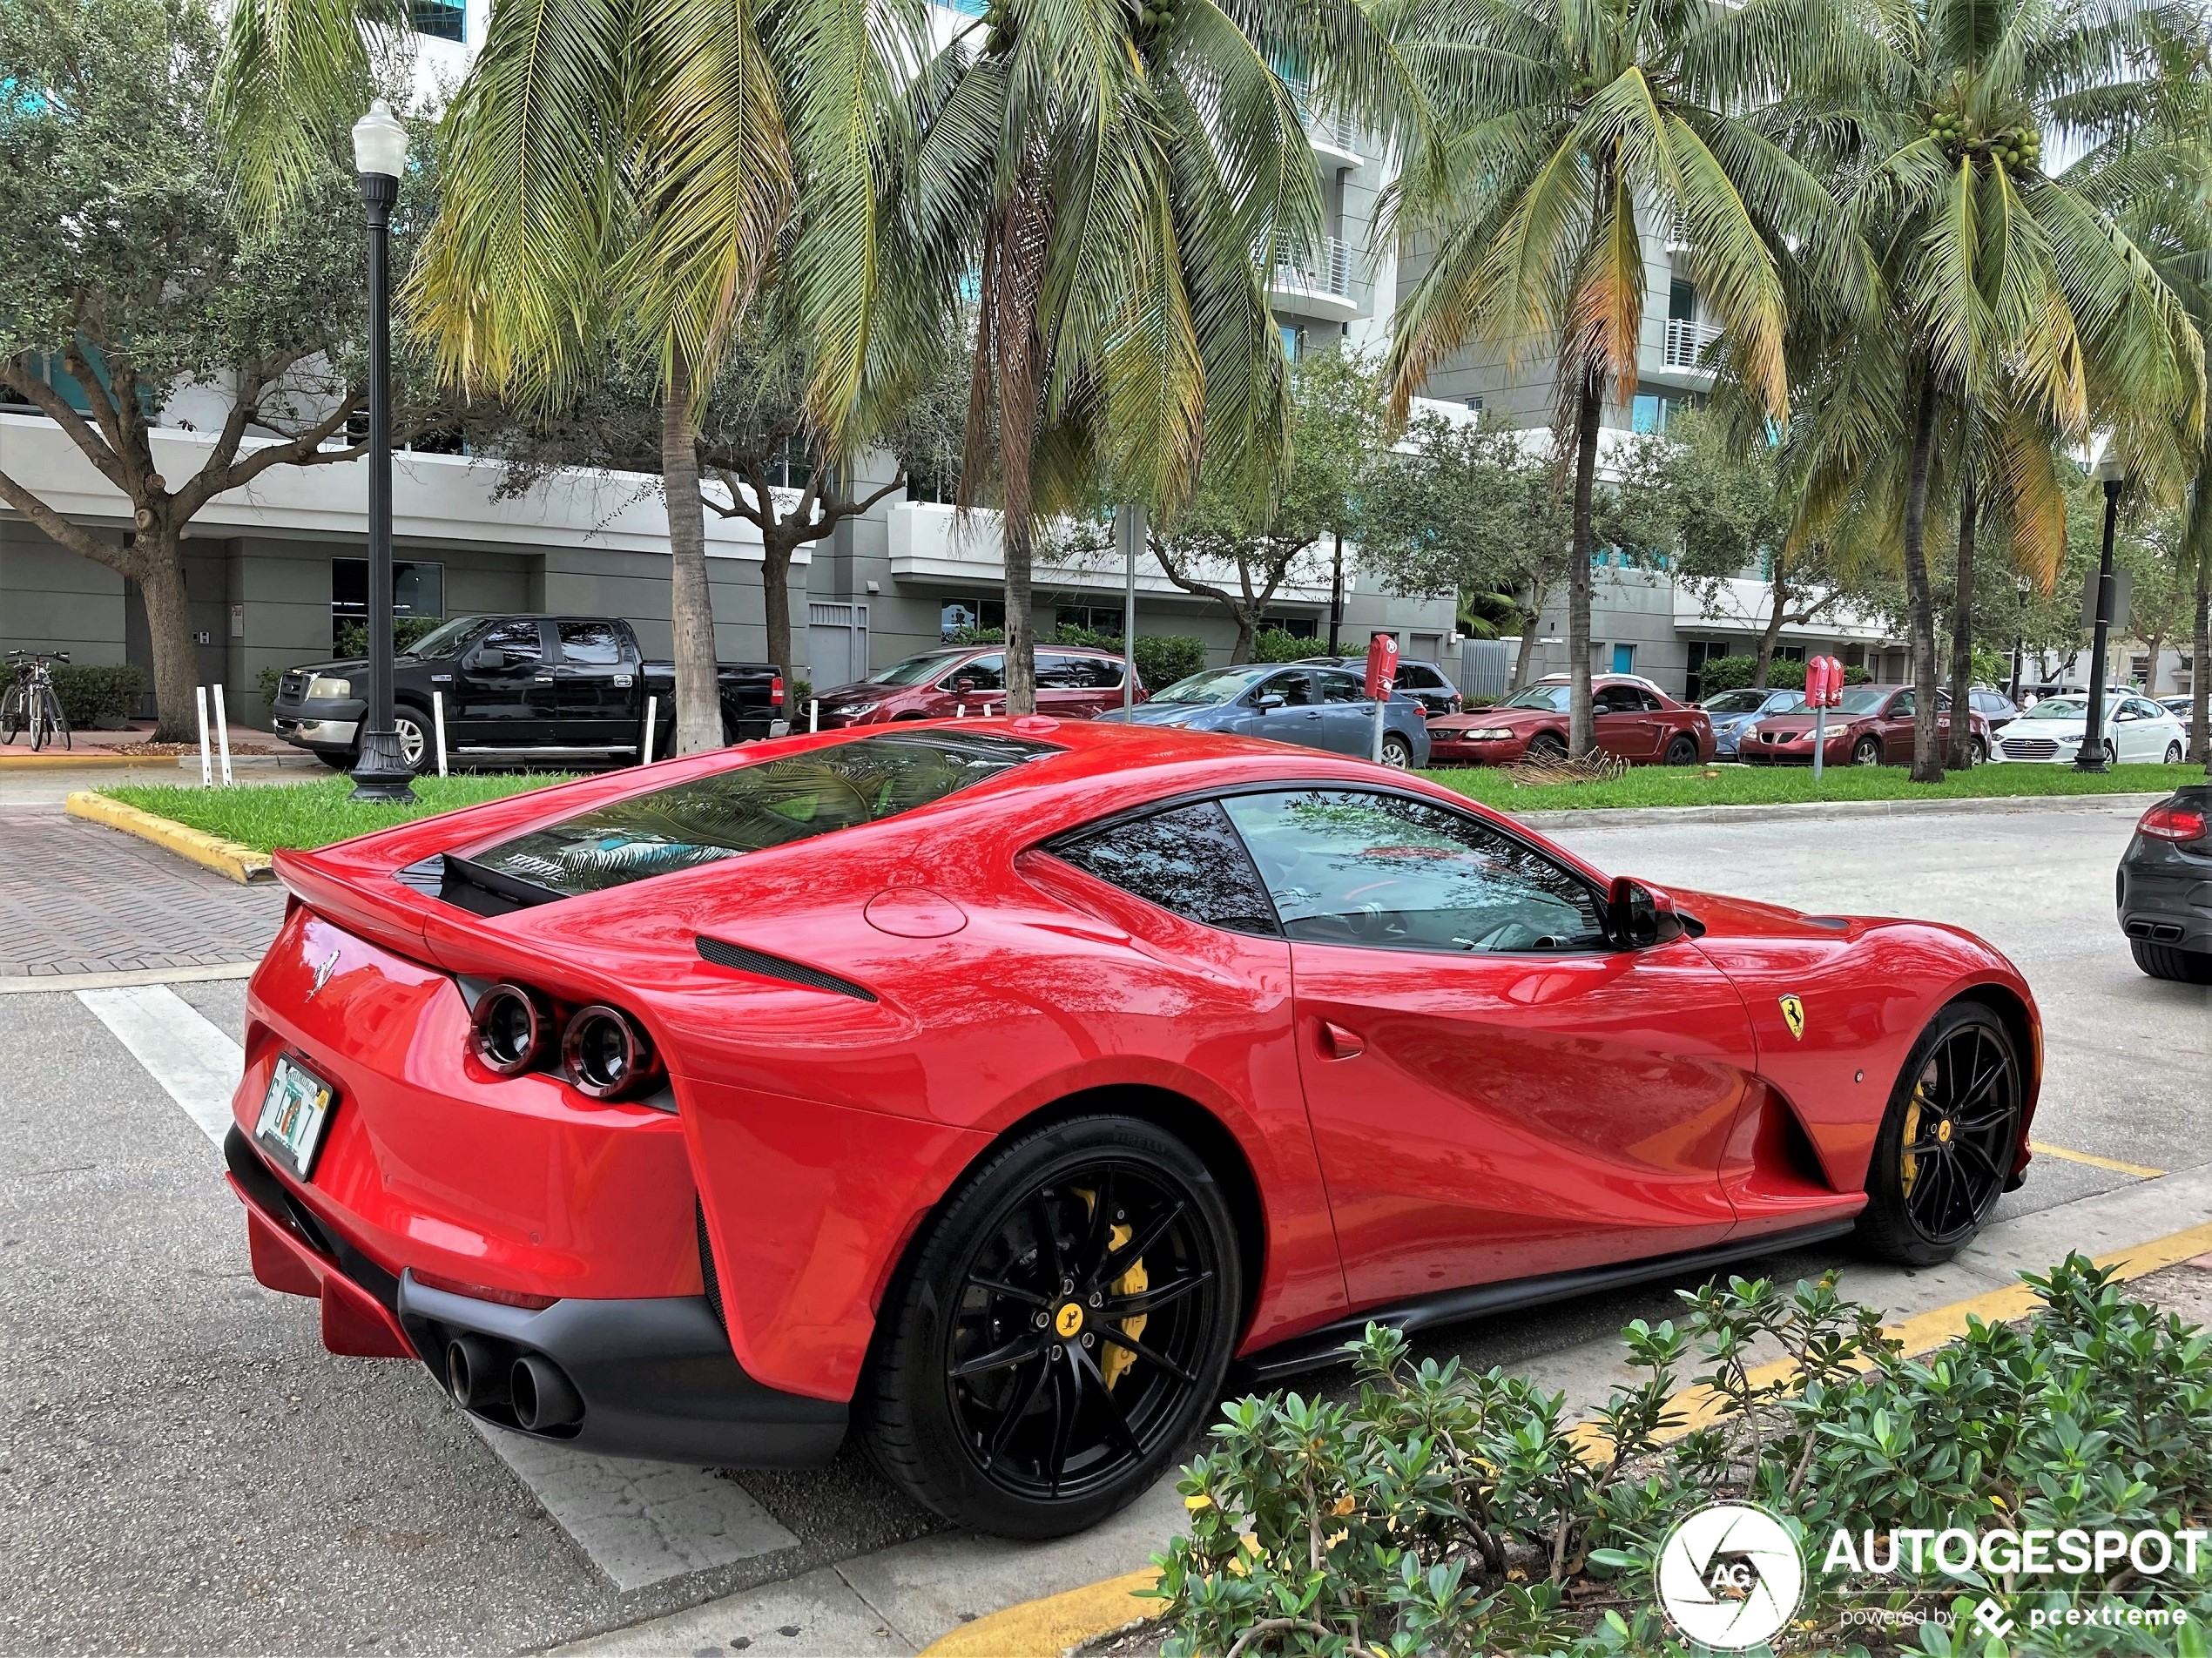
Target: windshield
[
  {"x": 1859, "y": 699},
  {"x": 2058, "y": 708},
  {"x": 1215, "y": 685},
  {"x": 750, "y": 808},
  {"x": 449, "y": 640},
  {"x": 1738, "y": 702},
  {"x": 914, "y": 670},
  {"x": 1551, "y": 698}
]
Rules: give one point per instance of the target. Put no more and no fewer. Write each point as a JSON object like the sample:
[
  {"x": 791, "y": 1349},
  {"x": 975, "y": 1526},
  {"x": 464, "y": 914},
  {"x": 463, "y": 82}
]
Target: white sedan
[{"x": 2136, "y": 729}]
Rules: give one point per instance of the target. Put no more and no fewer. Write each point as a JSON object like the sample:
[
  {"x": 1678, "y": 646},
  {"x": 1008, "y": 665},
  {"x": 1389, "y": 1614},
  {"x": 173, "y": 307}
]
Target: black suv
[{"x": 2165, "y": 887}]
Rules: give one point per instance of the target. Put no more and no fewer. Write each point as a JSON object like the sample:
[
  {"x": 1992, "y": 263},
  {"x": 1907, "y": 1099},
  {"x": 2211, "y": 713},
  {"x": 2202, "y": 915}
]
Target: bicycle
[{"x": 31, "y": 702}]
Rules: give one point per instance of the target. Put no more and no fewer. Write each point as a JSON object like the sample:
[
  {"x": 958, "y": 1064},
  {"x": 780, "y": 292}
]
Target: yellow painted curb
[
  {"x": 1047, "y": 1627},
  {"x": 241, "y": 864},
  {"x": 80, "y": 760}
]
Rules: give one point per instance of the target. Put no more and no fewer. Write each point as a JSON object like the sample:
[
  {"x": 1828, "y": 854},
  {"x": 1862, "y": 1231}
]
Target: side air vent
[{"x": 724, "y": 955}]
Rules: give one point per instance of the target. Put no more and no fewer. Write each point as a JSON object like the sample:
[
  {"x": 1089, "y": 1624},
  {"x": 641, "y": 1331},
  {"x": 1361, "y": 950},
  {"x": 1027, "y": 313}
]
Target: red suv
[{"x": 1073, "y": 682}]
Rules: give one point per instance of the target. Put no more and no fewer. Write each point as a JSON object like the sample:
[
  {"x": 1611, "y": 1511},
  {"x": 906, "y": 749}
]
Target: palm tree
[
  {"x": 632, "y": 170},
  {"x": 1113, "y": 183},
  {"x": 2007, "y": 312},
  {"x": 1565, "y": 130}
]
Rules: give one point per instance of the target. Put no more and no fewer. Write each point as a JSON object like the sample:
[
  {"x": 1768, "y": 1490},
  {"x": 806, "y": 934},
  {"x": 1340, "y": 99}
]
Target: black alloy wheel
[
  {"x": 1064, "y": 1330},
  {"x": 1866, "y": 751},
  {"x": 1947, "y": 1142},
  {"x": 1683, "y": 750},
  {"x": 1547, "y": 745}
]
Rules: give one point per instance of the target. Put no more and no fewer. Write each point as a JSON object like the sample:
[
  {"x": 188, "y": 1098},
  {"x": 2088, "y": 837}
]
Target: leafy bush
[
  {"x": 266, "y": 682},
  {"x": 1274, "y": 646},
  {"x": 94, "y": 695},
  {"x": 352, "y": 637},
  {"x": 1449, "y": 1513},
  {"x": 1733, "y": 673}
]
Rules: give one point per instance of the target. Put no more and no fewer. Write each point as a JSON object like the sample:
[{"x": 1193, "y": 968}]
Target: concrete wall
[{"x": 52, "y": 600}]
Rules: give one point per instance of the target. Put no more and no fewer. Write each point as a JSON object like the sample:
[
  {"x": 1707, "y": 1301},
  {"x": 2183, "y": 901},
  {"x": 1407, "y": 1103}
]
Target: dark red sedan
[
  {"x": 984, "y": 1088},
  {"x": 1073, "y": 682},
  {"x": 1634, "y": 718},
  {"x": 1873, "y": 726}
]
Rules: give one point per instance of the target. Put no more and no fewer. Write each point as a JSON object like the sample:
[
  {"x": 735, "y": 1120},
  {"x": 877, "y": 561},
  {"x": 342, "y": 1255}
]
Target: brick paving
[{"x": 78, "y": 898}]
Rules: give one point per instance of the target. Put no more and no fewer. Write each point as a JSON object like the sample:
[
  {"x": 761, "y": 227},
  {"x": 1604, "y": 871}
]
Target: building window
[
  {"x": 934, "y": 477},
  {"x": 792, "y": 466},
  {"x": 1293, "y": 341},
  {"x": 418, "y": 596},
  {"x": 1701, "y": 652},
  {"x": 967, "y": 615},
  {"x": 1298, "y": 627},
  {"x": 1089, "y": 619},
  {"x": 440, "y": 19},
  {"x": 1656, "y": 412}
]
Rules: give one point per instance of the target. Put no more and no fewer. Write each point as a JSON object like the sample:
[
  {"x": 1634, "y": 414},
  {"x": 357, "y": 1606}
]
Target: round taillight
[
  {"x": 604, "y": 1055},
  {"x": 508, "y": 1029},
  {"x": 2171, "y": 821}
]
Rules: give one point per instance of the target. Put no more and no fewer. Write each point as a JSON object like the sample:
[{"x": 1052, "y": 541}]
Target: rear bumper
[
  {"x": 2165, "y": 897},
  {"x": 654, "y": 1374}
]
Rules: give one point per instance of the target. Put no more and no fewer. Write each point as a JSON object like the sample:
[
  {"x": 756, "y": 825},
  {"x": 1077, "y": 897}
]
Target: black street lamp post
[
  {"x": 2019, "y": 638},
  {"x": 380, "y": 768},
  {"x": 2090, "y": 757}
]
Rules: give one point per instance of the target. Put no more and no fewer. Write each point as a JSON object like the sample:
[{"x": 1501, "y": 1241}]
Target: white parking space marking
[
  {"x": 196, "y": 1063},
  {"x": 640, "y": 1523}
]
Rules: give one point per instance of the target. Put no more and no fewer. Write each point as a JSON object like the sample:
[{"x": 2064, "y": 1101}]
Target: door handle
[
  {"x": 543, "y": 678},
  {"x": 1314, "y": 713},
  {"x": 1337, "y": 1042}
]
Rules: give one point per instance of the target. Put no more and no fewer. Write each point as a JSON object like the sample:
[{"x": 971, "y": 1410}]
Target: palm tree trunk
[
  {"x": 2200, "y": 666},
  {"x": 1581, "y": 729},
  {"x": 1927, "y": 760},
  {"x": 1021, "y": 627},
  {"x": 699, "y": 703},
  {"x": 1960, "y": 752}
]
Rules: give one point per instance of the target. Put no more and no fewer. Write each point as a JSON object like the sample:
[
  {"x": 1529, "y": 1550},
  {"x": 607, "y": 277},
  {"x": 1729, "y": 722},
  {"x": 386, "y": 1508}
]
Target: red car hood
[
  {"x": 1795, "y": 724},
  {"x": 1743, "y": 917}
]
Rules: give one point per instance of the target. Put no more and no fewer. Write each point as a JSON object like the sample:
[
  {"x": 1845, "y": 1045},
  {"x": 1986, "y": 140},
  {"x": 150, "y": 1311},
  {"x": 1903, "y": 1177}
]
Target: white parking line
[{"x": 641, "y": 1523}]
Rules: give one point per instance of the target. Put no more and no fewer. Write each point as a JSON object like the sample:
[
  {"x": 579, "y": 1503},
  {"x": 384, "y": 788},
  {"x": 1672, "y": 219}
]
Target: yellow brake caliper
[
  {"x": 1114, "y": 1363},
  {"x": 1909, "y": 1164}
]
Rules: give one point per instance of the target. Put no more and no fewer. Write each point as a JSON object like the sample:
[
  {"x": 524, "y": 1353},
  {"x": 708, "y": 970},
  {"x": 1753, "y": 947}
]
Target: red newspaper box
[{"x": 1382, "y": 666}]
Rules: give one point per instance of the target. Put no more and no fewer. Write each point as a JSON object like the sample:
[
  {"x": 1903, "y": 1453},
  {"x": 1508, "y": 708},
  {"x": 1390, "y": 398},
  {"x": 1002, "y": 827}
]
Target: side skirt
[{"x": 1318, "y": 1349}]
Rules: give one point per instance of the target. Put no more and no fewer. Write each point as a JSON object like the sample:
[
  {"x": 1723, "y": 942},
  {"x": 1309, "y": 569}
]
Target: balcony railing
[
  {"x": 1686, "y": 343},
  {"x": 1325, "y": 269}
]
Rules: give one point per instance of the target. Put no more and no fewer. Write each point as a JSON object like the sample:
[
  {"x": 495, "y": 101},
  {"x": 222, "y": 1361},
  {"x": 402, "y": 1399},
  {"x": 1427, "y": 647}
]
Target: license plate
[{"x": 293, "y": 1112}]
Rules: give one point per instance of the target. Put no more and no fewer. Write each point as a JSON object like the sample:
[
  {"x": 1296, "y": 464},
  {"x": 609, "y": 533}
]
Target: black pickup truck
[{"x": 519, "y": 689}]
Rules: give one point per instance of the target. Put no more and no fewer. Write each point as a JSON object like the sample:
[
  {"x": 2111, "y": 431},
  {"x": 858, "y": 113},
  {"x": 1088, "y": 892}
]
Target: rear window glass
[{"x": 750, "y": 808}]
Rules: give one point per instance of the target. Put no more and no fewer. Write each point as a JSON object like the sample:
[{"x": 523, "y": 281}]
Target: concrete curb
[
  {"x": 80, "y": 760},
  {"x": 241, "y": 864},
  {"x": 1057, "y": 1624},
  {"x": 1784, "y": 810},
  {"x": 38, "y": 984}
]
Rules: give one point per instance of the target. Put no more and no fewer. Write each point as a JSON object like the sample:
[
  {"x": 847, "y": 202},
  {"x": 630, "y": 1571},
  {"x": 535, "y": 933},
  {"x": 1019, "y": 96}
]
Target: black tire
[
  {"x": 51, "y": 722},
  {"x": 2171, "y": 961},
  {"x": 1948, "y": 1139},
  {"x": 1683, "y": 750},
  {"x": 1866, "y": 751},
  {"x": 1397, "y": 752},
  {"x": 1547, "y": 745},
  {"x": 1977, "y": 752},
  {"x": 12, "y": 716},
  {"x": 1039, "y": 1456},
  {"x": 2173, "y": 753}
]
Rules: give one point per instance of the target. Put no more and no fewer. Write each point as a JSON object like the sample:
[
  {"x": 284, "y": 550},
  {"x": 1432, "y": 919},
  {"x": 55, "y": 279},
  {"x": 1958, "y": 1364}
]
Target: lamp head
[
  {"x": 379, "y": 141},
  {"x": 2111, "y": 468}
]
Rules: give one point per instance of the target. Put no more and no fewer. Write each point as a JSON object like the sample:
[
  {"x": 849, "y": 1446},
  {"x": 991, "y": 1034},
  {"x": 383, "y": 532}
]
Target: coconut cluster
[
  {"x": 2011, "y": 147},
  {"x": 1155, "y": 17}
]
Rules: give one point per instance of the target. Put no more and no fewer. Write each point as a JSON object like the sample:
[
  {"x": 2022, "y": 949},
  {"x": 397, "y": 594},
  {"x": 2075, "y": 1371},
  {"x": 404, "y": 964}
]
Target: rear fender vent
[
  {"x": 725, "y": 955},
  {"x": 708, "y": 1278}
]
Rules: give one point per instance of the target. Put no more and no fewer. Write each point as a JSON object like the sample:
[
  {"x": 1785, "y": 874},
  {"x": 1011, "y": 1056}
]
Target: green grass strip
[{"x": 313, "y": 814}]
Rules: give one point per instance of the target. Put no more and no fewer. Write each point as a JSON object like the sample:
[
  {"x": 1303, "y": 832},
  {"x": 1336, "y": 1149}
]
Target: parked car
[
  {"x": 665, "y": 1115},
  {"x": 2136, "y": 729},
  {"x": 1872, "y": 725},
  {"x": 1073, "y": 682},
  {"x": 1309, "y": 706},
  {"x": 2181, "y": 708},
  {"x": 1425, "y": 682},
  {"x": 1734, "y": 712},
  {"x": 1634, "y": 718},
  {"x": 2163, "y": 876},
  {"x": 1992, "y": 705},
  {"x": 519, "y": 689}
]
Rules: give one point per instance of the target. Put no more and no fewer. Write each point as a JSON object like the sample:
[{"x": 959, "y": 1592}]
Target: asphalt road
[{"x": 182, "y": 1468}]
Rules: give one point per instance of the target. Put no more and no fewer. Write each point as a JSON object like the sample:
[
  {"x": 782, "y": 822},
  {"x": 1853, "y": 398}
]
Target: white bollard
[
  {"x": 206, "y": 774},
  {"x": 652, "y": 715},
  {"x": 438, "y": 726},
  {"x": 223, "y": 733},
  {"x": 813, "y": 717}
]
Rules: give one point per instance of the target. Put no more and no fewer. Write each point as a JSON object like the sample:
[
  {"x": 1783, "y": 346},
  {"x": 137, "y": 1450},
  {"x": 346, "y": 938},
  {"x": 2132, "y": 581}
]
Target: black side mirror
[
  {"x": 1640, "y": 918},
  {"x": 487, "y": 659}
]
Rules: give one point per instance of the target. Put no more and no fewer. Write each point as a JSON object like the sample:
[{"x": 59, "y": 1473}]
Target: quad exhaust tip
[
  {"x": 476, "y": 1375},
  {"x": 543, "y": 1400}
]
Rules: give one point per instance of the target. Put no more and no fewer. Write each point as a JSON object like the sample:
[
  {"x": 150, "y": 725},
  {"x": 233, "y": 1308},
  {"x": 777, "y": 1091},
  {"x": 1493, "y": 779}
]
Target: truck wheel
[{"x": 415, "y": 736}]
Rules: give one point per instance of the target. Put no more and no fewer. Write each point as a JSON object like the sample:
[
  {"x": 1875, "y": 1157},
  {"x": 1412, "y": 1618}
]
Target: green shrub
[
  {"x": 1449, "y": 1513},
  {"x": 352, "y": 637},
  {"x": 94, "y": 695},
  {"x": 266, "y": 682},
  {"x": 1275, "y": 645},
  {"x": 1733, "y": 673},
  {"x": 1161, "y": 658}
]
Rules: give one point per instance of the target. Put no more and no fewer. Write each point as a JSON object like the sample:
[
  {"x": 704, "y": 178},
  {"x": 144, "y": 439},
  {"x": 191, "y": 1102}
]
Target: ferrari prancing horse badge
[{"x": 1793, "y": 1015}]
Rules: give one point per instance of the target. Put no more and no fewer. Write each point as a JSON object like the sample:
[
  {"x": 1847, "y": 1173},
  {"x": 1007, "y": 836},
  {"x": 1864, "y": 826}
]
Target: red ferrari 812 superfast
[{"x": 986, "y": 1088}]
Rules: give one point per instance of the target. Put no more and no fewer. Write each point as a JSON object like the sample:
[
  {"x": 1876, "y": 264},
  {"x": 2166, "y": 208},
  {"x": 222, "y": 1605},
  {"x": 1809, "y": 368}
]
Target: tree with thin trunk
[
  {"x": 129, "y": 288},
  {"x": 1114, "y": 183},
  {"x": 630, "y": 171},
  {"x": 1563, "y": 135}
]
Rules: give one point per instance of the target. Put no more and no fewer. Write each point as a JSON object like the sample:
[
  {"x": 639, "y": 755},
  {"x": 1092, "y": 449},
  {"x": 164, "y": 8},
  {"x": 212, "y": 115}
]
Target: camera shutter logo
[{"x": 1730, "y": 1575}]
